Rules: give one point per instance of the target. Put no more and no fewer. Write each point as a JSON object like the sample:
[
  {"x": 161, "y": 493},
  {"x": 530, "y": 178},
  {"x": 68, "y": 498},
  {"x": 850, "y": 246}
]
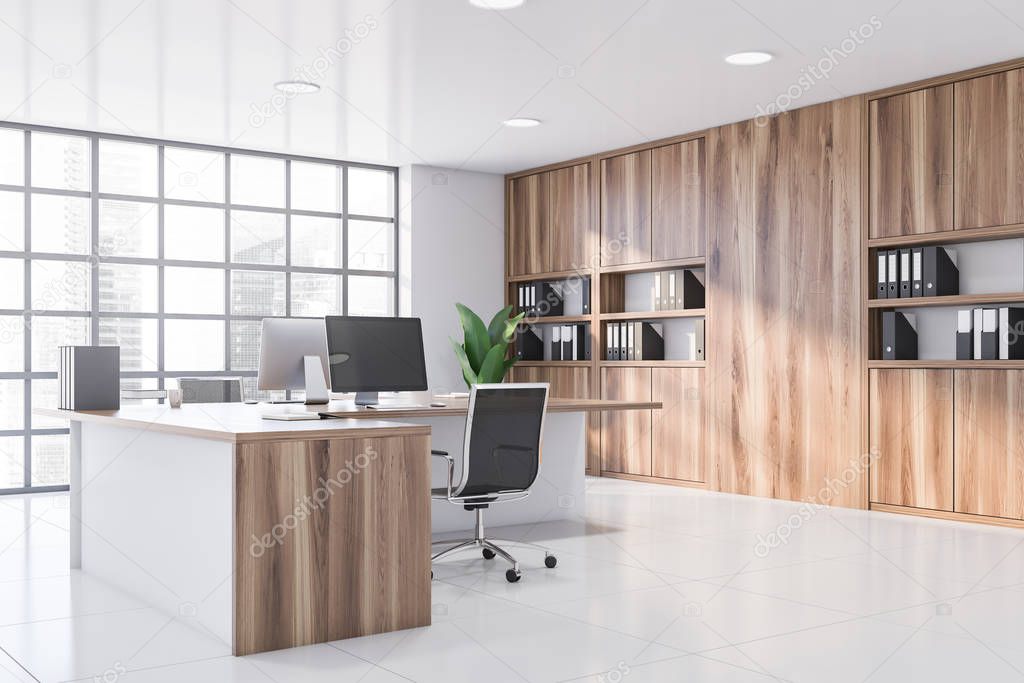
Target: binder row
[
  {"x": 990, "y": 334},
  {"x": 568, "y": 342},
  {"x": 546, "y": 298},
  {"x": 917, "y": 271},
  {"x": 634, "y": 341},
  {"x": 676, "y": 290}
]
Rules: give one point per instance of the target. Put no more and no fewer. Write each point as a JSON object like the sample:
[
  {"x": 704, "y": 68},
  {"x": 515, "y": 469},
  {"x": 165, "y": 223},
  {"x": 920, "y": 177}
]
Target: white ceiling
[{"x": 429, "y": 81}]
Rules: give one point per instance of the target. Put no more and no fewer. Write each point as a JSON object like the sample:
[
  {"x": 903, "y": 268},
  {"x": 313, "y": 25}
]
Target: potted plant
[{"x": 482, "y": 354}]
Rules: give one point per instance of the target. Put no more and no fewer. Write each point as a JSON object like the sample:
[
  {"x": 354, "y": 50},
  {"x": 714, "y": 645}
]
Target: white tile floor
[{"x": 656, "y": 584}]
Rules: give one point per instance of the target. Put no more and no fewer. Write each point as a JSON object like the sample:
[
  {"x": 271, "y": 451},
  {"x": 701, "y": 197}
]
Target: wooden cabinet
[
  {"x": 570, "y": 382},
  {"x": 626, "y": 208},
  {"x": 911, "y": 436},
  {"x": 911, "y": 163},
  {"x": 677, "y": 433},
  {"x": 989, "y": 442},
  {"x": 626, "y": 434},
  {"x": 677, "y": 201},
  {"x": 528, "y": 241},
  {"x": 989, "y": 148},
  {"x": 550, "y": 221}
]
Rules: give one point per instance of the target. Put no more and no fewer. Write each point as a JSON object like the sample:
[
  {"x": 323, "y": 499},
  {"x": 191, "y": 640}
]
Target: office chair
[
  {"x": 210, "y": 389},
  {"x": 500, "y": 462}
]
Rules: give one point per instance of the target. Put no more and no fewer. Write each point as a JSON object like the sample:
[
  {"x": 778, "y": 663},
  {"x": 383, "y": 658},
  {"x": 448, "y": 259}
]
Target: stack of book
[
  {"x": 675, "y": 290},
  {"x": 990, "y": 334},
  {"x": 917, "y": 271}
]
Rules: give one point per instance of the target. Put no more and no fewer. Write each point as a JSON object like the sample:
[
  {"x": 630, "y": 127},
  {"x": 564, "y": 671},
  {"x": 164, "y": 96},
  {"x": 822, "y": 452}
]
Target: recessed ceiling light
[
  {"x": 749, "y": 58},
  {"x": 521, "y": 123},
  {"x": 496, "y": 4},
  {"x": 297, "y": 87}
]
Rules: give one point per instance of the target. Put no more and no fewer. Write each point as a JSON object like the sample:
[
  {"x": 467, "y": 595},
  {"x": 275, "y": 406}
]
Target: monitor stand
[
  {"x": 367, "y": 398},
  {"x": 316, "y": 384}
]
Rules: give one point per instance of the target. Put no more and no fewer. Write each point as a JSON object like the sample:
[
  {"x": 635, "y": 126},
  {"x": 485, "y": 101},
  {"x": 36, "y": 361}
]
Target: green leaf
[
  {"x": 467, "y": 370},
  {"x": 493, "y": 369},
  {"x": 510, "y": 328},
  {"x": 498, "y": 324},
  {"x": 477, "y": 341},
  {"x": 509, "y": 363}
]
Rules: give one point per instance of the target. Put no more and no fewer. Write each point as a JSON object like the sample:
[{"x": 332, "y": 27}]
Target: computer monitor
[
  {"x": 368, "y": 355},
  {"x": 293, "y": 355}
]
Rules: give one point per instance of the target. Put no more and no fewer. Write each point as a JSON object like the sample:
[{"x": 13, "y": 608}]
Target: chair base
[{"x": 490, "y": 549}]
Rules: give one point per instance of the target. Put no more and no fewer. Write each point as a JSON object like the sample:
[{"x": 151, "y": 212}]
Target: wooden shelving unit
[
  {"x": 553, "y": 364},
  {"x": 945, "y": 364},
  {"x": 651, "y": 266},
  {"x": 655, "y": 315},
  {"x": 1000, "y": 232},
  {"x": 558, "y": 319},
  {"x": 652, "y": 364}
]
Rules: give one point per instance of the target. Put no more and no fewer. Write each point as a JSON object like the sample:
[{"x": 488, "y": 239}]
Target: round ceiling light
[
  {"x": 297, "y": 87},
  {"x": 520, "y": 122},
  {"x": 749, "y": 58},
  {"x": 496, "y": 4}
]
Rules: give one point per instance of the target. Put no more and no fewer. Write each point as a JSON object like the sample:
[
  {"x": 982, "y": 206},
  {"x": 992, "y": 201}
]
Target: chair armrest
[
  {"x": 451, "y": 467},
  {"x": 433, "y": 452}
]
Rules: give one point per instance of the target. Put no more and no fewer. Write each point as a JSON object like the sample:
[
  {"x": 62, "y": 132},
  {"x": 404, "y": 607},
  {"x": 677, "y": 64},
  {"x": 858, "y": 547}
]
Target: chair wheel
[
  {"x": 488, "y": 554},
  {"x": 550, "y": 561},
  {"x": 512, "y": 575},
  {"x": 431, "y": 574}
]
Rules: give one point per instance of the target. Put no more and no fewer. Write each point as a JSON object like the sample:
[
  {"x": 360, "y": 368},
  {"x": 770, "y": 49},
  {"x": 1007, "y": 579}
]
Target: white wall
[{"x": 452, "y": 249}]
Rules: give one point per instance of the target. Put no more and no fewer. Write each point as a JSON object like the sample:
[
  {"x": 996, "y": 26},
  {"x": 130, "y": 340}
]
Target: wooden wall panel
[
  {"x": 571, "y": 382},
  {"x": 626, "y": 208},
  {"x": 529, "y": 250},
  {"x": 911, "y": 172},
  {"x": 626, "y": 435},
  {"x": 989, "y": 442},
  {"x": 567, "y": 219},
  {"x": 354, "y": 551},
  {"x": 911, "y": 418},
  {"x": 677, "y": 439},
  {"x": 784, "y": 269},
  {"x": 989, "y": 147},
  {"x": 677, "y": 201}
]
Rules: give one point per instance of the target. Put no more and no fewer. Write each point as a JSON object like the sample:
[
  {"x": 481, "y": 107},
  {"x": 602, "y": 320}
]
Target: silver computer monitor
[{"x": 293, "y": 355}]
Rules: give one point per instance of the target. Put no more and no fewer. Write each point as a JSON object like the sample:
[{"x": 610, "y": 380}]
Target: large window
[{"x": 173, "y": 252}]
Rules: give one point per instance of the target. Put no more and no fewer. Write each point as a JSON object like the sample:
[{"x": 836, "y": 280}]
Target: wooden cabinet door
[
  {"x": 677, "y": 434},
  {"x": 989, "y": 442},
  {"x": 911, "y": 431},
  {"x": 626, "y": 208},
  {"x": 989, "y": 147},
  {"x": 567, "y": 217},
  {"x": 911, "y": 173},
  {"x": 626, "y": 434},
  {"x": 529, "y": 251},
  {"x": 677, "y": 201},
  {"x": 568, "y": 383}
]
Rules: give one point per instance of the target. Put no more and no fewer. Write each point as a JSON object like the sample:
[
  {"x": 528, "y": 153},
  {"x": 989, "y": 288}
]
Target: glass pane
[
  {"x": 245, "y": 345},
  {"x": 44, "y": 395},
  {"x": 49, "y": 332},
  {"x": 251, "y": 393},
  {"x": 12, "y": 275},
  {"x": 60, "y": 225},
  {"x": 60, "y": 285},
  {"x": 371, "y": 245},
  {"x": 137, "y": 338},
  {"x": 371, "y": 295},
  {"x": 135, "y": 384},
  {"x": 12, "y": 462},
  {"x": 12, "y": 403},
  {"x": 50, "y": 460},
  {"x": 128, "y": 229},
  {"x": 128, "y": 288},
  {"x": 12, "y": 343},
  {"x": 60, "y": 161},
  {"x": 257, "y": 292},
  {"x": 12, "y": 157},
  {"x": 128, "y": 168},
  {"x": 193, "y": 233},
  {"x": 316, "y": 187},
  {"x": 371, "y": 192},
  {"x": 193, "y": 174},
  {"x": 316, "y": 295},
  {"x": 257, "y": 181},
  {"x": 316, "y": 242},
  {"x": 194, "y": 290},
  {"x": 193, "y": 345},
  {"x": 12, "y": 221},
  {"x": 257, "y": 237}
]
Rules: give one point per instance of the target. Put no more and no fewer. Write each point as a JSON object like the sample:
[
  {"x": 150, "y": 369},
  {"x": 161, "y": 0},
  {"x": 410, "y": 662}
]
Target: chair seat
[{"x": 442, "y": 493}]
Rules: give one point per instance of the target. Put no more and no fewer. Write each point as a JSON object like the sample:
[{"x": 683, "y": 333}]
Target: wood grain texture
[
  {"x": 911, "y": 433},
  {"x": 989, "y": 442},
  {"x": 677, "y": 435},
  {"x": 677, "y": 201},
  {"x": 784, "y": 215},
  {"x": 529, "y": 250},
  {"x": 989, "y": 148},
  {"x": 626, "y": 437},
  {"x": 353, "y": 558},
  {"x": 626, "y": 208},
  {"x": 566, "y": 201},
  {"x": 911, "y": 163}
]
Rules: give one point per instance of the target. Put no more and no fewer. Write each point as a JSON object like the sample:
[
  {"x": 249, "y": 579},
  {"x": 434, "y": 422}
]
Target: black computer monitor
[{"x": 367, "y": 355}]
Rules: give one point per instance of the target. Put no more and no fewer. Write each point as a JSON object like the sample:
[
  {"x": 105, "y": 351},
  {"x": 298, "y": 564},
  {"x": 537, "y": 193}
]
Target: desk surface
[{"x": 239, "y": 422}]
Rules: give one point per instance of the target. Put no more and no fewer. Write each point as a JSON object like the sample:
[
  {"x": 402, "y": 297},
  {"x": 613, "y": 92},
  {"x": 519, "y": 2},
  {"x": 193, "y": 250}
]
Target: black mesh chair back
[
  {"x": 210, "y": 389},
  {"x": 503, "y": 435}
]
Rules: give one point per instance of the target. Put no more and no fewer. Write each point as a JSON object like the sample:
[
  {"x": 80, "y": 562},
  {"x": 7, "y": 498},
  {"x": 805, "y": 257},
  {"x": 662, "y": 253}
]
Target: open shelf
[
  {"x": 652, "y": 363},
  {"x": 655, "y": 315},
  {"x": 649, "y": 266},
  {"x": 1000, "y": 232},
  {"x": 940, "y": 364},
  {"x": 556, "y": 319},
  {"x": 954, "y": 300},
  {"x": 553, "y": 276},
  {"x": 553, "y": 364}
]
